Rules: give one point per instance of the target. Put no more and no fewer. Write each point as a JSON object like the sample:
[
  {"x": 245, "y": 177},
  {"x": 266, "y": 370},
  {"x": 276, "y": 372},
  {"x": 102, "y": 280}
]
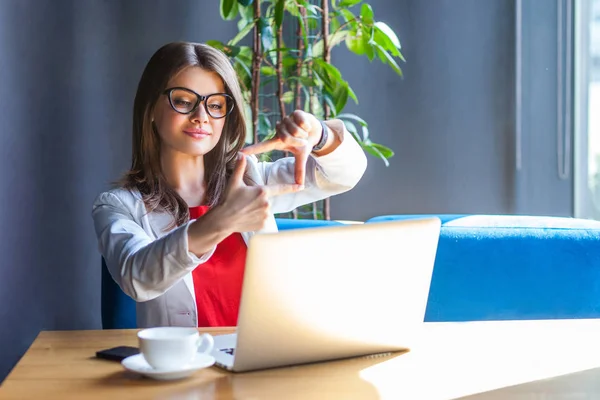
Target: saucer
[{"x": 138, "y": 364}]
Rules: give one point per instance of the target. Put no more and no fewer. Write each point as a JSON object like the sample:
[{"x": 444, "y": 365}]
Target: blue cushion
[
  {"x": 118, "y": 309},
  {"x": 501, "y": 267},
  {"x": 284, "y": 224}
]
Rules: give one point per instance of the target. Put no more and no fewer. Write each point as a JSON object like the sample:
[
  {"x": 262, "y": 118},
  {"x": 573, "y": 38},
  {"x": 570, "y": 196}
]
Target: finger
[
  {"x": 278, "y": 190},
  {"x": 240, "y": 169},
  {"x": 300, "y": 166},
  {"x": 263, "y": 147},
  {"x": 290, "y": 142},
  {"x": 301, "y": 119},
  {"x": 294, "y": 130}
]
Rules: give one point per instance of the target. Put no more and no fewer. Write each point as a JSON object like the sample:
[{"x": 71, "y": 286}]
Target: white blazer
[{"x": 153, "y": 266}]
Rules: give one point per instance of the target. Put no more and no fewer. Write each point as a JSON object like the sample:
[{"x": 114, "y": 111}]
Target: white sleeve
[{"x": 143, "y": 267}]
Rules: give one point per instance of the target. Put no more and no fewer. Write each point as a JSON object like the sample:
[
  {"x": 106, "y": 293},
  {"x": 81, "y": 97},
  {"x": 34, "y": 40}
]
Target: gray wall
[
  {"x": 451, "y": 120},
  {"x": 69, "y": 70}
]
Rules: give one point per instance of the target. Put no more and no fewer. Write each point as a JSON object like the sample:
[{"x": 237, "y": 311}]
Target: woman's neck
[{"x": 185, "y": 174}]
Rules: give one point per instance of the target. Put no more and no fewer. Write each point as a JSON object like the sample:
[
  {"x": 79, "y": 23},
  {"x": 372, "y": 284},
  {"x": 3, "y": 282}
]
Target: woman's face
[{"x": 196, "y": 133}]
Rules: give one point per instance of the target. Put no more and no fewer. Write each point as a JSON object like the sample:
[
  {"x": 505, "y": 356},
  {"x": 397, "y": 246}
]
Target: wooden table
[{"x": 482, "y": 360}]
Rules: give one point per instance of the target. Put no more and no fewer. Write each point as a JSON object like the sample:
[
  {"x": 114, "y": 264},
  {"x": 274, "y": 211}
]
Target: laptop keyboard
[{"x": 230, "y": 351}]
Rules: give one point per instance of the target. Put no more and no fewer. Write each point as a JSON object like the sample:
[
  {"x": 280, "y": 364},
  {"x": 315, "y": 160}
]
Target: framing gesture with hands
[{"x": 297, "y": 134}]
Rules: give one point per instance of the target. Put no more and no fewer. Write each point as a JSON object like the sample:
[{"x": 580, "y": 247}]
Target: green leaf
[
  {"x": 230, "y": 51},
  {"x": 279, "y": 8},
  {"x": 334, "y": 39},
  {"x": 317, "y": 107},
  {"x": 331, "y": 75},
  {"x": 310, "y": 8},
  {"x": 288, "y": 97},
  {"x": 349, "y": 16},
  {"x": 329, "y": 101},
  {"x": 400, "y": 56},
  {"x": 352, "y": 129},
  {"x": 292, "y": 8},
  {"x": 303, "y": 34},
  {"x": 245, "y": 2},
  {"x": 264, "y": 124},
  {"x": 348, "y": 3},
  {"x": 289, "y": 61},
  {"x": 390, "y": 60},
  {"x": 266, "y": 34},
  {"x": 369, "y": 50},
  {"x": 304, "y": 80},
  {"x": 367, "y": 36},
  {"x": 216, "y": 44},
  {"x": 242, "y": 34},
  {"x": 388, "y": 32},
  {"x": 353, "y": 117},
  {"x": 355, "y": 44},
  {"x": 267, "y": 70},
  {"x": 352, "y": 94},
  {"x": 365, "y": 133},
  {"x": 362, "y": 122},
  {"x": 229, "y": 9},
  {"x": 340, "y": 97},
  {"x": 245, "y": 55},
  {"x": 381, "y": 56},
  {"x": 385, "y": 42},
  {"x": 375, "y": 152},
  {"x": 366, "y": 14},
  {"x": 334, "y": 24},
  {"x": 246, "y": 16},
  {"x": 306, "y": 97},
  {"x": 244, "y": 74},
  {"x": 384, "y": 150}
]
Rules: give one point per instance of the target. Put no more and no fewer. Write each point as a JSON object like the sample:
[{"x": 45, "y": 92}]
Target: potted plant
[{"x": 287, "y": 63}]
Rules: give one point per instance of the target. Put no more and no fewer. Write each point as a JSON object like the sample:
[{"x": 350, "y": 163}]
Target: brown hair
[{"x": 146, "y": 174}]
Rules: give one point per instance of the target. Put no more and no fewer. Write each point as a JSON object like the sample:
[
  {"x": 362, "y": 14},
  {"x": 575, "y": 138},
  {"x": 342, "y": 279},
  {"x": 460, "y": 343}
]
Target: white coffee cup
[{"x": 171, "y": 347}]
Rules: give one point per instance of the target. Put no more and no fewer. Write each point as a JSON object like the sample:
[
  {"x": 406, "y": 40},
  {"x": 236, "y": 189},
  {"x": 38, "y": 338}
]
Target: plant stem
[
  {"x": 278, "y": 70},
  {"x": 327, "y": 59},
  {"x": 300, "y": 44},
  {"x": 298, "y": 87},
  {"x": 256, "y": 61}
]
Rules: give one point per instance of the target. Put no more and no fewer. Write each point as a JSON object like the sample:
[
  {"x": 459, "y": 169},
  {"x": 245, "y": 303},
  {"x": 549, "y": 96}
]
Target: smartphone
[{"x": 117, "y": 353}]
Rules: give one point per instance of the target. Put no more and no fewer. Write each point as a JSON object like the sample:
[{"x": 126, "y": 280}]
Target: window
[{"x": 587, "y": 109}]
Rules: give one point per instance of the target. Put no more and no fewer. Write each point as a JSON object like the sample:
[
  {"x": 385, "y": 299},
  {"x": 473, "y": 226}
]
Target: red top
[{"x": 218, "y": 281}]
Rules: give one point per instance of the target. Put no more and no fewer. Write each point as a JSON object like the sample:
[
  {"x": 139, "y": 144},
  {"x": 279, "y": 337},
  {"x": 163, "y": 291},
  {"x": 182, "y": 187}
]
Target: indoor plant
[{"x": 286, "y": 63}]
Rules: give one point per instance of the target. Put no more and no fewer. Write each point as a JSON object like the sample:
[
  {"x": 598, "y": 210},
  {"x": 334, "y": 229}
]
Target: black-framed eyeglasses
[{"x": 186, "y": 101}]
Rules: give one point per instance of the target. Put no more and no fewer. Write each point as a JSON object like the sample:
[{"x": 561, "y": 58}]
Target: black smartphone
[{"x": 117, "y": 353}]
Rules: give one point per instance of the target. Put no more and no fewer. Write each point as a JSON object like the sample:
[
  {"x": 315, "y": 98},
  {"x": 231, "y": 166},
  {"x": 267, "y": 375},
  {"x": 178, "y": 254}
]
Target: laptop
[{"x": 326, "y": 293}]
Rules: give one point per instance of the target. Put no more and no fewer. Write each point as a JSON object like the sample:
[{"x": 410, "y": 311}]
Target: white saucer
[{"x": 138, "y": 364}]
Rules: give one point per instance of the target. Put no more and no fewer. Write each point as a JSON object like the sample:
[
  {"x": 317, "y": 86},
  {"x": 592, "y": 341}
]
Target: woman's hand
[
  {"x": 298, "y": 134},
  {"x": 245, "y": 208}
]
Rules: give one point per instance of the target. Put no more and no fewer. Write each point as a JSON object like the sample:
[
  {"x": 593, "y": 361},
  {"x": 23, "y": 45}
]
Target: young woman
[{"x": 174, "y": 232}]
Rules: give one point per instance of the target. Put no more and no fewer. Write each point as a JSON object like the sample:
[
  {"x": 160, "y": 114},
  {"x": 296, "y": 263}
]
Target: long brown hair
[{"x": 146, "y": 173}]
